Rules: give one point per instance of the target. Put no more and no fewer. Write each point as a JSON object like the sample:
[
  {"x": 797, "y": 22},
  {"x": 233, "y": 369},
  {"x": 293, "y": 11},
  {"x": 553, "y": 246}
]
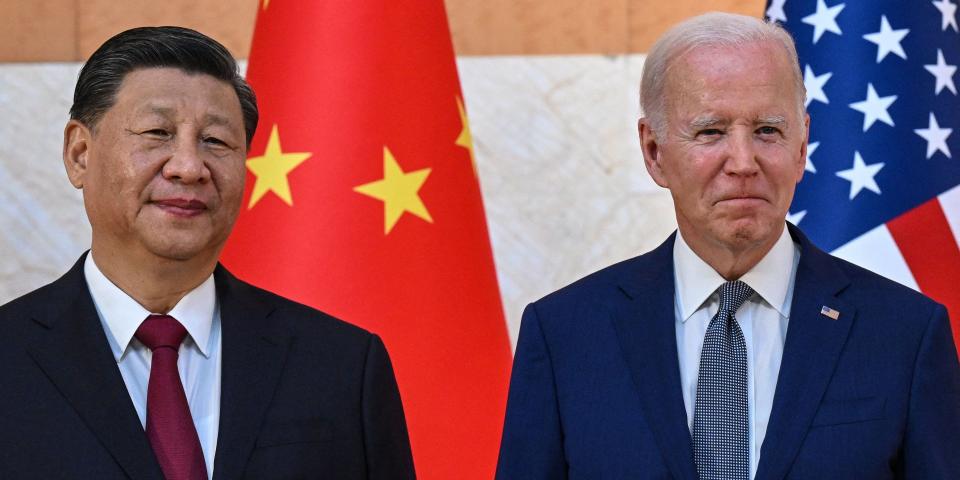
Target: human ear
[
  {"x": 76, "y": 147},
  {"x": 802, "y": 164},
  {"x": 651, "y": 152}
]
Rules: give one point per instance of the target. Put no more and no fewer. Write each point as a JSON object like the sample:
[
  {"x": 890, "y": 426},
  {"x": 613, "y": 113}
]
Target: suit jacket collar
[
  {"x": 74, "y": 354},
  {"x": 645, "y": 326},
  {"x": 813, "y": 346},
  {"x": 254, "y": 352},
  {"x": 121, "y": 315}
]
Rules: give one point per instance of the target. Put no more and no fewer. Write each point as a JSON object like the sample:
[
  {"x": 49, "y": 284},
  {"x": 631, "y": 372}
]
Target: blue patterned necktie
[{"x": 721, "y": 435}]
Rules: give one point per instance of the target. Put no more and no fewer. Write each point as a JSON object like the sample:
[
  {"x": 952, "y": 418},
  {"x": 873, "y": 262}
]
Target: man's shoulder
[
  {"x": 618, "y": 281},
  {"x": 597, "y": 284},
  {"x": 27, "y": 303},
  {"x": 297, "y": 318},
  {"x": 881, "y": 290},
  {"x": 882, "y": 299},
  {"x": 49, "y": 297}
]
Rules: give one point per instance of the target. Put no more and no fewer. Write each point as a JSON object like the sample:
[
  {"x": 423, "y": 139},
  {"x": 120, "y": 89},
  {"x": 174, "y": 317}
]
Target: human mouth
[
  {"x": 741, "y": 200},
  {"x": 181, "y": 207}
]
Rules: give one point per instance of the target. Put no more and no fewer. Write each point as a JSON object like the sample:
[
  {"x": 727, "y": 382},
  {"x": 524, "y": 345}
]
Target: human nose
[
  {"x": 742, "y": 156},
  {"x": 186, "y": 164}
]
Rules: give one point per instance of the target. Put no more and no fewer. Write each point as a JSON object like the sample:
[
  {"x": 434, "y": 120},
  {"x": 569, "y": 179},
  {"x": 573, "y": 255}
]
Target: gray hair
[{"x": 713, "y": 29}]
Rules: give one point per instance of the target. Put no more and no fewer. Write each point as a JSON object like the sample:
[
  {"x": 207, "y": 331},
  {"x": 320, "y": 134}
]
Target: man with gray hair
[{"x": 736, "y": 349}]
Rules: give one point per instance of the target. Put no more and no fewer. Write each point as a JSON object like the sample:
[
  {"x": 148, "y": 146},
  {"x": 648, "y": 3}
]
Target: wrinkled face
[
  {"x": 162, "y": 173},
  {"x": 735, "y": 144}
]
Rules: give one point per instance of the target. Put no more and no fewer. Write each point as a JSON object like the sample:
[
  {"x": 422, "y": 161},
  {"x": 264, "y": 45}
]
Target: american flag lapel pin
[{"x": 829, "y": 312}]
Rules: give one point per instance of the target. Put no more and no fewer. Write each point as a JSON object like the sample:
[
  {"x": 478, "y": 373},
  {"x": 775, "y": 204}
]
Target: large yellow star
[
  {"x": 272, "y": 168},
  {"x": 465, "y": 139},
  {"x": 398, "y": 191}
]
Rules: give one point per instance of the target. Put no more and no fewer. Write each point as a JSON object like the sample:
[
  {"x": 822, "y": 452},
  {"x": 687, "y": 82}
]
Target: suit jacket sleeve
[
  {"x": 932, "y": 438},
  {"x": 532, "y": 446},
  {"x": 384, "y": 427}
]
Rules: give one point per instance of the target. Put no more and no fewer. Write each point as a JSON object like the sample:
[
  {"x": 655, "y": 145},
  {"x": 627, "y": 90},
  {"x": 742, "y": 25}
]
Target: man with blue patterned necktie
[{"x": 736, "y": 349}]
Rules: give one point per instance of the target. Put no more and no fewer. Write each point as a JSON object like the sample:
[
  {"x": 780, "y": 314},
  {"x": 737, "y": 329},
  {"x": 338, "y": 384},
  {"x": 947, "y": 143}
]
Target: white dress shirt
[
  {"x": 763, "y": 320},
  {"x": 199, "y": 361}
]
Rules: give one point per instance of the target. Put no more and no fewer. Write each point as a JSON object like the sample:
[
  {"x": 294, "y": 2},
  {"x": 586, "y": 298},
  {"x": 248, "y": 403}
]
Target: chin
[
  {"x": 181, "y": 249},
  {"x": 751, "y": 232},
  {"x": 181, "y": 253}
]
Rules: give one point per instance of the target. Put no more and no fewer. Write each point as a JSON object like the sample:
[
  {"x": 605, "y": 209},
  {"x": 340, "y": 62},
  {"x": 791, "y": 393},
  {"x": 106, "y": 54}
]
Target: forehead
[
  {"x": 177, "y": 93},
  {"x": 717, "y": 76},
  {"x": 712, "y": 59}
]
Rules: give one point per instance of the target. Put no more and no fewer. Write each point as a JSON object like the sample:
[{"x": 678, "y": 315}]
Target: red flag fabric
[{"x": 362, "y": 200}]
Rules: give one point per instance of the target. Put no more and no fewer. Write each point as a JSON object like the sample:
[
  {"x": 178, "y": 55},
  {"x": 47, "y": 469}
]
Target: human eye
[
  {"x": 160, "y": 133},
  {"x": 709, "y": 133},
  {"x": 214, "y": 141},
  {"x": 768, "y": 130},
  {"x": 217, "y": 144}
]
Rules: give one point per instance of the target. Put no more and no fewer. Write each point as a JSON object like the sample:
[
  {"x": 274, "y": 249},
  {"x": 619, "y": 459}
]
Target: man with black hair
[{"x": 148, "y": 359}]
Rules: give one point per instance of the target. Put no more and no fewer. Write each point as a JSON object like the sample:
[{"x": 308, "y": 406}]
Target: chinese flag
[{"x": 362, "y": 200}]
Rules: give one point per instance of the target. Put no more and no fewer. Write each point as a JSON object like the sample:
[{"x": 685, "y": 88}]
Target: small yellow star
[
  {"x": 272, "y": 168},
  {"x": 465, "y": 139},
  {"x": 398, "y": 191}
]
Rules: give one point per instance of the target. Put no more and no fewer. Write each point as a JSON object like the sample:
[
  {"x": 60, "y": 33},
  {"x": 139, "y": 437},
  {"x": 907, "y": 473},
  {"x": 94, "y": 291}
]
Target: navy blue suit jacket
[
  {"x": 303, "y": 395},
  {"x": 595, "y": 390}
]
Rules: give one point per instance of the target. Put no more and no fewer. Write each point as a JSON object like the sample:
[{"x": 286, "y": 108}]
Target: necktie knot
[
  {"x": 733, "y": 295},
  {"x": 169, "y": 425},
  {"x": 721, "y": 416},
  {"x": 161, "y": 331}
]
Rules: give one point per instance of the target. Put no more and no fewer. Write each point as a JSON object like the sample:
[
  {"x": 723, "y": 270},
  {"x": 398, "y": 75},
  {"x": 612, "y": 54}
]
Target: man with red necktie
[{"x": 148, "y": 359}]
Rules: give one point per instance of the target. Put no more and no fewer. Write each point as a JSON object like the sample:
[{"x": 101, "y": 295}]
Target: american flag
[{"x": 881, "y": 184}]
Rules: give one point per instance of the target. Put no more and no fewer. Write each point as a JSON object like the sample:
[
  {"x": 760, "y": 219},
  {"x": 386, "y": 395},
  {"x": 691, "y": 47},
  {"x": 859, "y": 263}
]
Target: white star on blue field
[{"x": 883, "y": 102}]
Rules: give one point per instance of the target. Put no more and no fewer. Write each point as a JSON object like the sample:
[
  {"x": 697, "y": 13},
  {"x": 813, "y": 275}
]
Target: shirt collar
[
  {"x": 121, "y": 315},
  {"x": 770, "y": 278}
]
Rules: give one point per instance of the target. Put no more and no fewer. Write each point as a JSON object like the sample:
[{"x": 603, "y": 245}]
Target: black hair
[{"x": 152, "y": 47}]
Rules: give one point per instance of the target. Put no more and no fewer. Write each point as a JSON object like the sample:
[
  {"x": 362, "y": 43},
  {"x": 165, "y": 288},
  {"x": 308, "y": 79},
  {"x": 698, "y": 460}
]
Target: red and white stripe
[{"x": 918, "y": 249}]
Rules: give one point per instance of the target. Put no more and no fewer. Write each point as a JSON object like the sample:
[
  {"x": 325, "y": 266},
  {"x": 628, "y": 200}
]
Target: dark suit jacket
[
  {"x": 303, "y": 394},
  {"x": 595, "y": 391}
]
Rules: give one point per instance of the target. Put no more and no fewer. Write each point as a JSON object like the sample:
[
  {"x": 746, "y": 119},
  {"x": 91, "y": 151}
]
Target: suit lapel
[
  {"x": 810, "y": 353},
  {"x": 253, "y": 358},
  {"x": 74, "y": 353},
  {"x": 647, "y": 333}
]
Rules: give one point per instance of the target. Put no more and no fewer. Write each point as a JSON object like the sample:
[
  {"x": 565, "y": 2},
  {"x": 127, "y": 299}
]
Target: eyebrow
[
  {"x": 703, "y": 122},
  {"x": 707, "y": 122},
  {"x": 772, "y": 120},
  {"x": 157, "y": 109},
  {"x": 209, "y": 118},
  {"x": 214, "y": 119}
]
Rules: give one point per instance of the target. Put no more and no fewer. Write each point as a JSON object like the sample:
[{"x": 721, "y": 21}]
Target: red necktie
[{"x": 169, "y": 424}]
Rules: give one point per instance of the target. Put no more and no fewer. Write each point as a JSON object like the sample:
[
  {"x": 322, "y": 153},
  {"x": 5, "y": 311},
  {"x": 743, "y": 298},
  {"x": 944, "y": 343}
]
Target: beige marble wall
[
  {"x": 43, "y": 227},
  {"x": 561, "y": 170},
  {"x": 560, "y": 166}
]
